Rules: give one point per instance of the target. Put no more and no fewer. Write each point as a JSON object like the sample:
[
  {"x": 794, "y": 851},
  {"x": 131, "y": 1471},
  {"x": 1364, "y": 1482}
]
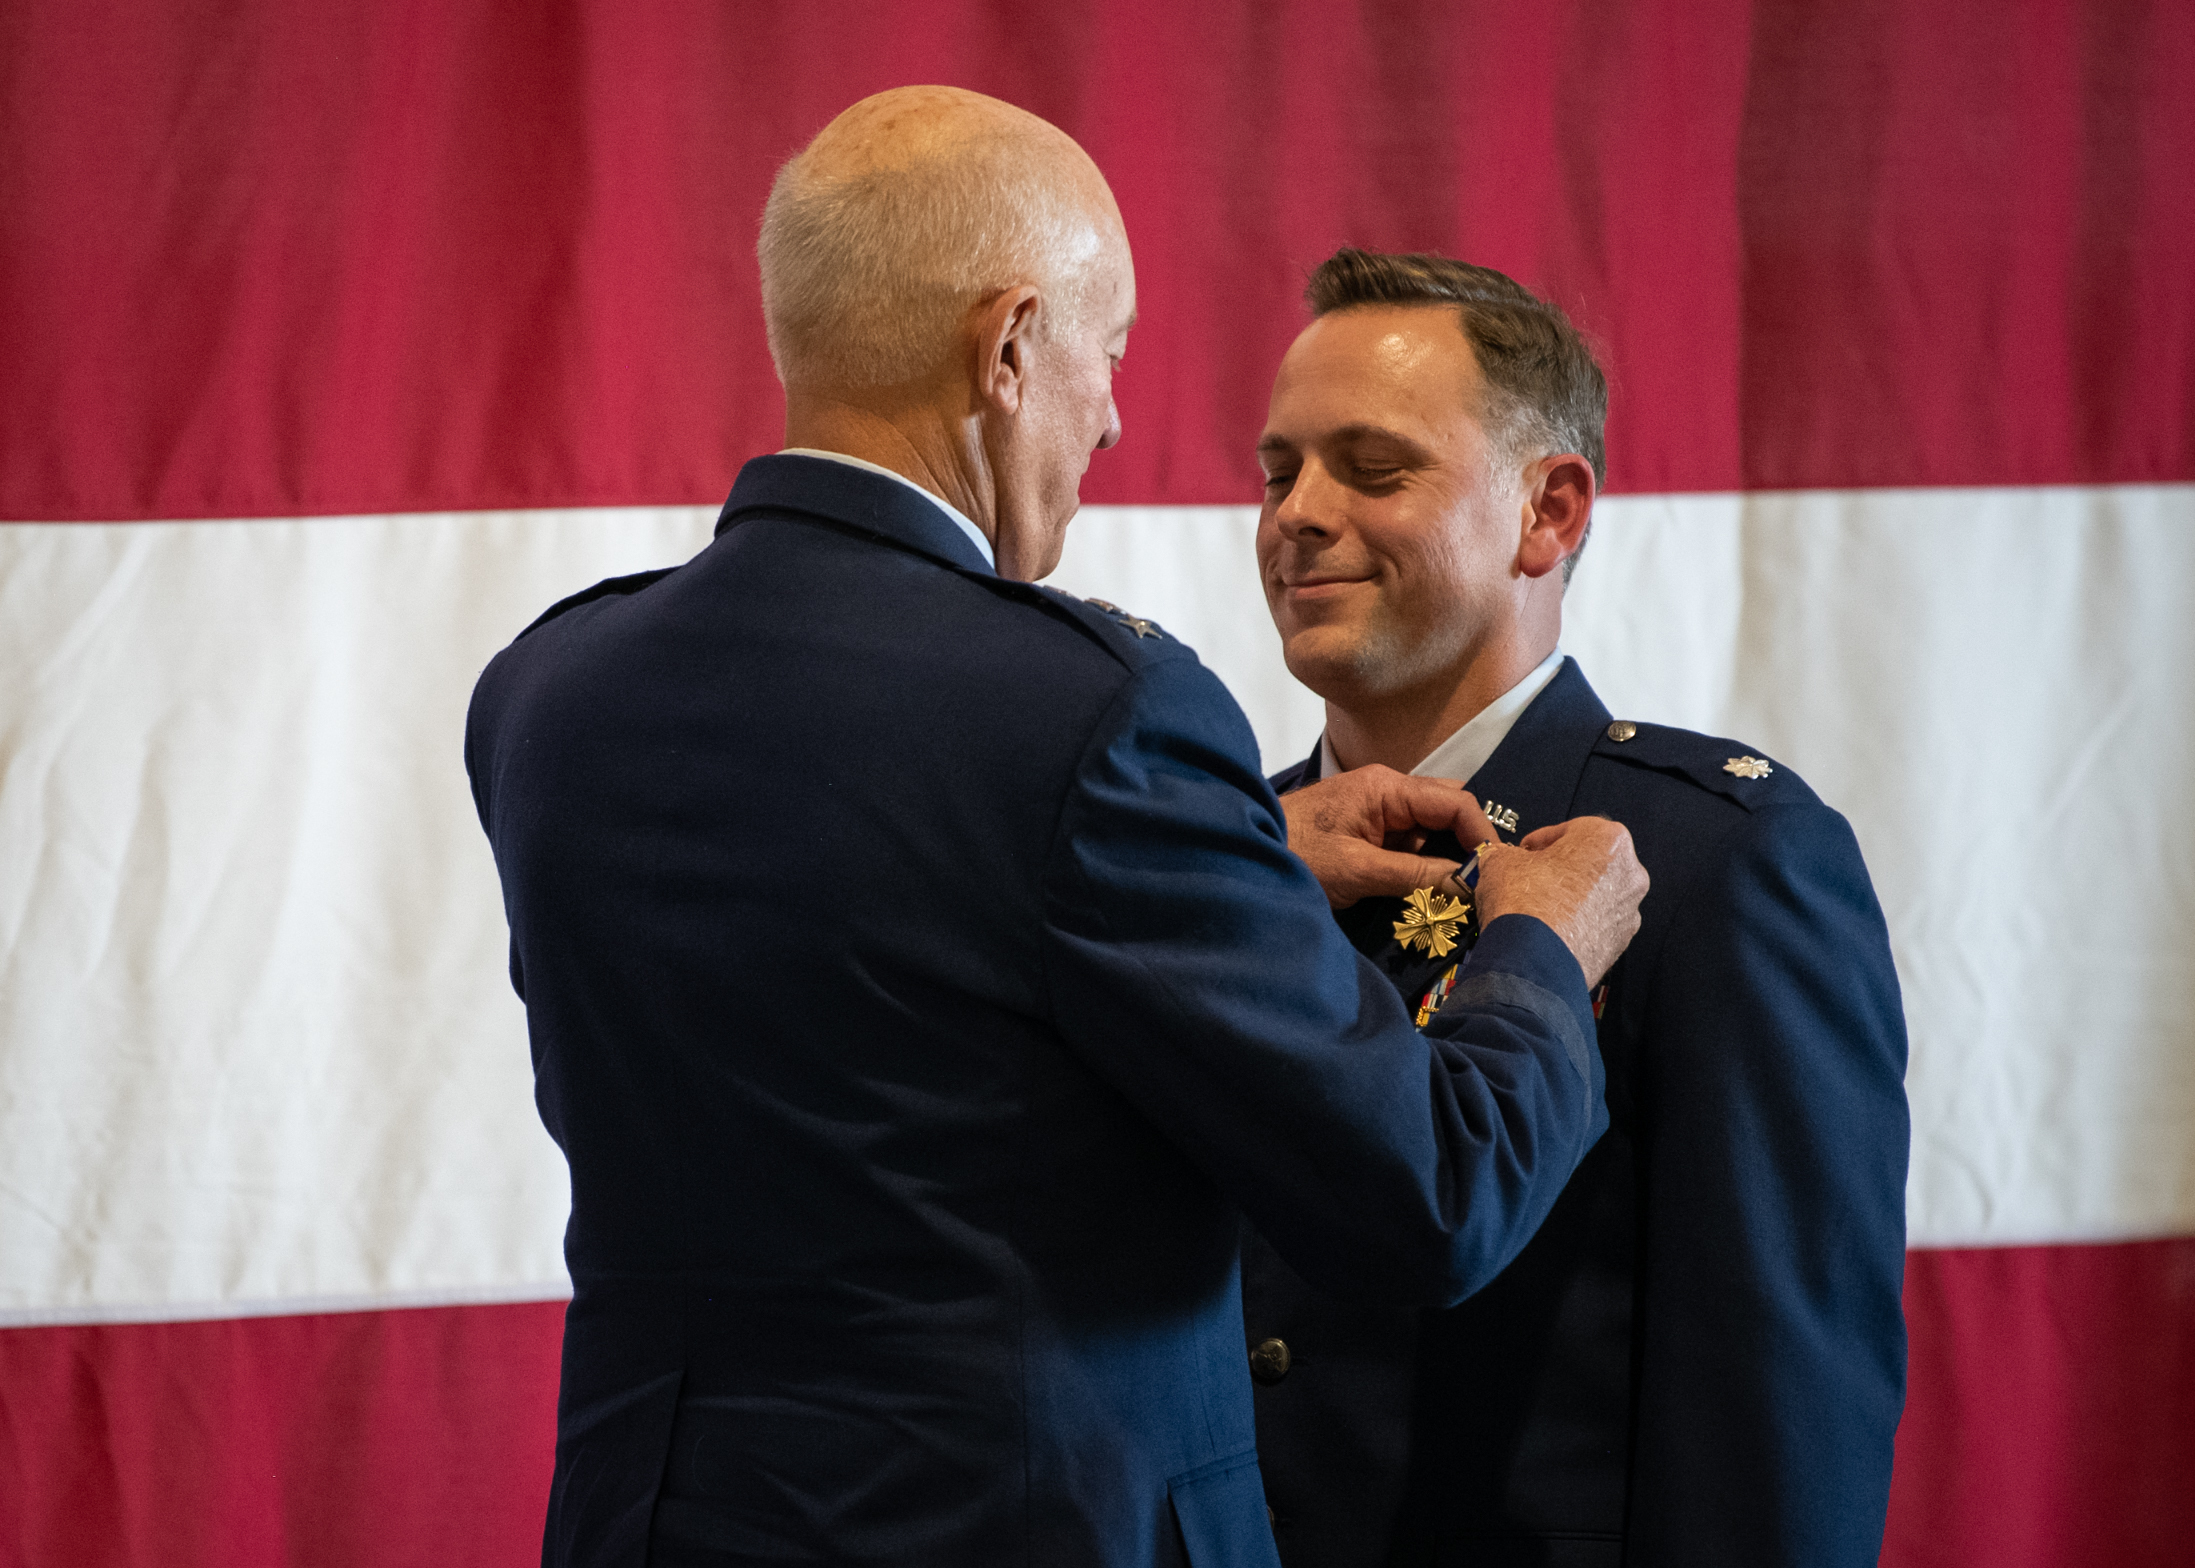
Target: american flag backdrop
[{"x": 337, "y": 341}]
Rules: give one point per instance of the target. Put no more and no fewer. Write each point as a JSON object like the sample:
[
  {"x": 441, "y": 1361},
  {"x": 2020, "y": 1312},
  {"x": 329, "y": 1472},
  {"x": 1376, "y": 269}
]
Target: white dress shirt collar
[
  {"x": 938, "y": 501},
  {"x": 1465, "y": 752}
]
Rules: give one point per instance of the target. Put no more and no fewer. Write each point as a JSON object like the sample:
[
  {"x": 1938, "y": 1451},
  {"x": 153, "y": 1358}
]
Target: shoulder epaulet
[
  {"x": 609, "y": 587},
  {"x": 1131, "y": 637},
  {"x": 1725, "y": 767},
  {"x": 1136, "y": 625}
]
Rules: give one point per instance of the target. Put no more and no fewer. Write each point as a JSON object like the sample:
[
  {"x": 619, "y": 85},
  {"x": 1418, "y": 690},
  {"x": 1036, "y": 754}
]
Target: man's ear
[
  {"x": 1005, "y": 327},
  {"x": 1560, "y": 508}
]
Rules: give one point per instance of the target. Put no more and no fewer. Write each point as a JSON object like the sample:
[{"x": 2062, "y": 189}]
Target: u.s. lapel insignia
[
  {"x": 1748, "y": 767},
  {"x": 1431, "y": 920},
  {"x": 1503, "y": 817}
]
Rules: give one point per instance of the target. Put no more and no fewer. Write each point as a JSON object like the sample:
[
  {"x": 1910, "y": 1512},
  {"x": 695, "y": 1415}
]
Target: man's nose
[
  {"x": 1308, "y": 507},
  {"x": 1112, "y": 426}
]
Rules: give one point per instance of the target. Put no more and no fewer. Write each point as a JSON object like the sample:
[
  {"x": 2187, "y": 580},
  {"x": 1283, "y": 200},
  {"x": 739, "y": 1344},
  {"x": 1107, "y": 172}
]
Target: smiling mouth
[{"x": 1315, "y": 585}]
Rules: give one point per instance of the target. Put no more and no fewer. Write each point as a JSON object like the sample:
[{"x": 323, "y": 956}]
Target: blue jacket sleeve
[
  {"x": 1194, "y": 963},
  {"x": 1774, "y": 1161}
]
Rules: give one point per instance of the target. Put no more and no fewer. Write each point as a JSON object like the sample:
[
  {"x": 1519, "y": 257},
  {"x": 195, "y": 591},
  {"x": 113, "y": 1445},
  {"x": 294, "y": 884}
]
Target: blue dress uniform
[
  {"x": 921, "y": 990},
  {"x": 1700, "y": 1359}
]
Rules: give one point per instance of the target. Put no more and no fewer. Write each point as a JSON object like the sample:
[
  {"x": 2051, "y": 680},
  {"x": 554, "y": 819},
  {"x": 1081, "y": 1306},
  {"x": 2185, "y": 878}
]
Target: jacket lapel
[{"x": 1532, "y": 777}]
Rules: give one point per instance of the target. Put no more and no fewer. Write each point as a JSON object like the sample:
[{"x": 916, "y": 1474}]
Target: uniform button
[
  {"x": 1270, "y": 1361},
  {"x": 1622, "y": 729}
]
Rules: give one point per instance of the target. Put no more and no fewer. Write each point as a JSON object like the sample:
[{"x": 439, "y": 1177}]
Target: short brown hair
[{"x": 1544, "y": 390}]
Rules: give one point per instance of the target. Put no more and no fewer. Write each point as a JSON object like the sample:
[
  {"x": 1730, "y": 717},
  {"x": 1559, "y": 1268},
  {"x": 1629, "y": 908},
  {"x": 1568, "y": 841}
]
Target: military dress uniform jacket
[
  {"x": 1700, "y": 1359},
  {"x": 918, "y": 980}
]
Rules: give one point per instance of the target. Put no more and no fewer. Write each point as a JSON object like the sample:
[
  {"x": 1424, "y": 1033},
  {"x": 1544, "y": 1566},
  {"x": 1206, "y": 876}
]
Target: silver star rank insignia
[
  {"x": 1135, "y": 623},
  {"x": 1748, "y": 767}
]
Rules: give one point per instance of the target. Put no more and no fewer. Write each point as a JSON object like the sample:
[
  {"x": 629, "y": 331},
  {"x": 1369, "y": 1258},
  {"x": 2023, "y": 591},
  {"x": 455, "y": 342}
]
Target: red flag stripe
[
  {"x": 281, "y": 259},
  {"x": 357, "y": 1439},
  {"x": 342, "y": 1440},
  {"x": 2051, "y": 1408}
]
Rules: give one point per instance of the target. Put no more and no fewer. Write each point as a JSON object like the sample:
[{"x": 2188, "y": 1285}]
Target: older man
[
  {"x": 917, "y": 971},
  {"x": 1700, "y": 1358}
]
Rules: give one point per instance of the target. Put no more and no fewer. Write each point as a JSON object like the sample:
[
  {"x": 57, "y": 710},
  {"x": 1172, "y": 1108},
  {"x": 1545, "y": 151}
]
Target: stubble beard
[{"x": 1376, "y": 664}]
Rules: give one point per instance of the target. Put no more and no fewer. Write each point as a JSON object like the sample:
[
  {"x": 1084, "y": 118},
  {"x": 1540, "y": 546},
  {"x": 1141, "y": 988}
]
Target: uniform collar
[
  {"x": 967, "y": 525},
  {"x": 1533, "y": 773},
  {"x": 1464, "y": 752},
  {"x": 1532, "y": 777},
  {"x": 877, "y": 502}
]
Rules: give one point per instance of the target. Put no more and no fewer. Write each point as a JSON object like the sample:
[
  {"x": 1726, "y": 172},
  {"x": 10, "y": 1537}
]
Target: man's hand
[
  {"x": 1582, "y": 877},
  {"x": 1359, "y": 831}
]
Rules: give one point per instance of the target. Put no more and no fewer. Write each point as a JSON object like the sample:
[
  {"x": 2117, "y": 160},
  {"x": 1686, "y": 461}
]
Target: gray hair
[{"x": 867, "y": 277}]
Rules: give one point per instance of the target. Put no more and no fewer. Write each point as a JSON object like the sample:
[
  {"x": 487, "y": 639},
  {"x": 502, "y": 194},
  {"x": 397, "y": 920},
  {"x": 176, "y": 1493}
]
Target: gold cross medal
[{"x": 1433, "y": 921}]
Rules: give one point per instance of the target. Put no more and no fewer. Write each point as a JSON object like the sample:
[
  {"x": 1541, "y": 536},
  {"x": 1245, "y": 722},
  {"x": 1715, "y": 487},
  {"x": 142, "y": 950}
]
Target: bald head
[{"x": 907, "y": 211}]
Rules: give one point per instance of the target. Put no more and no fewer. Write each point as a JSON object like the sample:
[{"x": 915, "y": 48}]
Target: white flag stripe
[
  {"x": 258, "y": 1040},
  {"x": 1998, "y": 688},
  {"x": 256, "y": 1047}
]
